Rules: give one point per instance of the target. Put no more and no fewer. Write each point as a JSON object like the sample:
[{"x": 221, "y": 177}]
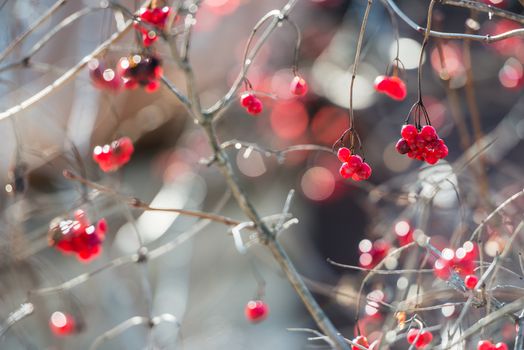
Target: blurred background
[{"x": 205, "y": 283}]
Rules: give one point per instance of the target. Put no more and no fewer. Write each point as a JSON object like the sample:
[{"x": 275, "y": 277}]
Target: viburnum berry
[
  {"x": 360, "y": 340},
  {"x": 352, "y": 165},
  {"x": 251, "y": 103},
  {"x": 155, "y": 17},
  {"x": 256, "y": 311},
  {"x": 141, "y": 69},
  {"x": 424, "y": 145},
  {"x": 78, "y": 236},
  {"x": 298, "y": 86},
  {"x": 61, "y": 324},
  {"x": 112, "y": 157},
  {"x": 471, "y": 281},
  {"x": 461, "y": 261},
  {"x": 501, "y": 346},
  {"x": 420, "y": 338},
  {"x": 104, "y": 78},
  {"x": 391, "y": 86}
]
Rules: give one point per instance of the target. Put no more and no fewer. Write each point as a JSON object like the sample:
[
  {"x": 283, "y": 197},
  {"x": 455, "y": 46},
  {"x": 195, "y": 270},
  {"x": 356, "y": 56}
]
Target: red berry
[
  {"x": 360, "y": 340},
  {"x": 364, "y": 172},
  {"x": 140, "y": 69},
  {"x": 402, "y": 146},
  {"x": 247, "y": 99},
  {"x": 441, "y": 269},
  {"x": 485, "y": 345},
  {"x": 471, "y": 281},
  {"x": 424, "y": 339},
  {"x": 409, "y": 132},
  {"x": 354, "y": 163},
  {"x": 343, "y": 154},
  {"x": 256, "y": 107},
  {"x": 412, "y": 335},
  {"x": 61, "y": 324},
  {"x": 298, "y": 86},
  {"x": 345, "y": 172},
  {"x": 428, "y": 133},
  {"x": 256, "y": 311},
  {"x": 393, "y": 87},
  {"x": 431, "y": 158},
  {"x": 501, "y": 346}
]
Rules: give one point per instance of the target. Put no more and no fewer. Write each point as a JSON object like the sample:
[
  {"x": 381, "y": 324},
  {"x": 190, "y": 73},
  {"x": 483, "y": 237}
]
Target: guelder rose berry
[
  {"x": 392, "y": 86},
  {"x": 298, "y": 86},
  {"x": 251, "y": 103},
  {"x": 256, "y": 311},
  {"x": 156, "y": 19},
  {"x": 471, "y": 281},
  {"x": 424, "y": 145},
  {"x": 102, "y": 77},
  {"x": 141, "y": 69},
  {"x": 113, "y": 156},
  {"x": 78, "y": 236}
]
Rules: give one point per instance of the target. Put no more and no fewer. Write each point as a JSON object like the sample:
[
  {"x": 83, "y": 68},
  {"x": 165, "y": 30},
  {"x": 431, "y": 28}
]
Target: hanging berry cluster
[
  {"x": 78, "y": 236},
  {"x": 487, "y": 345},
  {"x": 251, "y": 103},
  {"x": 155, "y": 18},
  {"x": 421, "y": 142},
  {"x": 141, "y": 69},
  {"x": 353, "y": 166},
  {"x": 460, "y": 261},
  {"x": 392, "y": 85},
  {"x": 371, "y": 253},
  {"x": 113, "y": 156},
  {"x": 103, "y": 77},
  {"x": 419, "y": 338}
]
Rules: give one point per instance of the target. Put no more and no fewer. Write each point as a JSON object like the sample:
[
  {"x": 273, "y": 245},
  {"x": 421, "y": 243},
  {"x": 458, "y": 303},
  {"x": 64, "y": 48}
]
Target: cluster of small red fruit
[
  {"x": 137, "y": 69},
  {"x": 153, "y": 18},
  {"x": 422, "y": 144},
  {"x": 487, "y": 345},
  {"x": 460, "y": 261},
  {"x": 78, "y": 236},
  {"x": 371, "y": 253},
  {"x": 111, "y": 157},
  {"x": 253, "y": 104},
  {"x": 353, "y": 166}
]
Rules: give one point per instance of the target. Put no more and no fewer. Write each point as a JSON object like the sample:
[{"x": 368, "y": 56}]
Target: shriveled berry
[
  {"x": 402, "y": 146},
  {"x": 298, "y": 86},
  {"x": 471, "y": 281},
  {"x": 256, "y": 311},
  {"x": 343, "y": 154}
]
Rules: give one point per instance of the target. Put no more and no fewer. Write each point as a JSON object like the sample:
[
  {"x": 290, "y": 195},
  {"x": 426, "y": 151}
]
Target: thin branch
[
  {"x": 489, "y": 9},
  {"x": 454, "y": 36}
]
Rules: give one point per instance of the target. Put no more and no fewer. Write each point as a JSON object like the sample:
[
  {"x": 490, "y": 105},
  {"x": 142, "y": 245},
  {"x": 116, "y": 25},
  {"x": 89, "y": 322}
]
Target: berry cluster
[
  {"x": 251, "y": 103},
  {"x": 487, "y": 345},
  {"x": 371, "y": 253},
  {"x": 420, "y": 338},
  {"x": 113, "y": 156},
  {"x": 78, "y": 236},
  {"x": 422, "y": 144},
  {"x": 461, "y": 261},
  {"x": 298, "y": 86},
  {"x": 141, "y": 69},
  {"x": 155, "y": 17},
  {"x": 61, "y": 324},
  {"x": 352, "y": 165},
  {"x": 391, "y": 86},
  {"x": 104, "y": 78},
  {"x": 256, "y": 311}
]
